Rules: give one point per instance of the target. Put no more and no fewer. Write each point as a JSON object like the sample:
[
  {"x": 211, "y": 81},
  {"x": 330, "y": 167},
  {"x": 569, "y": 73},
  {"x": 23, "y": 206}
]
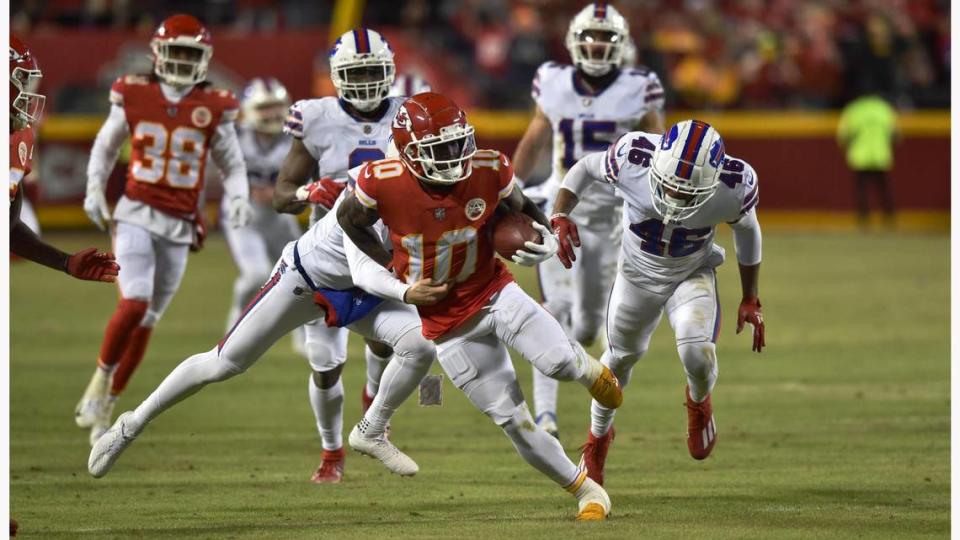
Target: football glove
[
  {"x": 92, "y": 266},
  {"x": 238, "y": 212},
  {"x": 749, "y": 312},
  {"x": 567, "y": 237},
  {"x": 534, "y": 253},
  {"x": 95, "y": 205},
  {"x": 323, "y": 192},
  {"x": 199, "y": 232}
]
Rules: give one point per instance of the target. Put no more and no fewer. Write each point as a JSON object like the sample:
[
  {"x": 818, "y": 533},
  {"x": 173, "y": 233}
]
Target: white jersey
[
  {"x": 656, "y": 256},
  {"x": 263, "y": 163},
  {"x": 585, "y": 122},
  {"x": 339, "y": 140}
]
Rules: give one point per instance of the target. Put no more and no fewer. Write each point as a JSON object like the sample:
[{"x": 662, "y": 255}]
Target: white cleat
[
  {"x": 382, "y": 449},
  {"x": 102, "y": 423},
  {"x": 593, "y": 503},
  {"x": 548, "y": 421},
  {"x": 94, "y": 397},
  {"x": 109, "y": 447}
]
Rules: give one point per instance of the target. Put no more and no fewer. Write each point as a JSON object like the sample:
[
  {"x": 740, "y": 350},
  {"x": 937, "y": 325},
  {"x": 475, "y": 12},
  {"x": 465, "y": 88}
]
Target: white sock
[
  {"x": 327, "y": 407},
  {"x": 544, "y": 394},
  {"x": 375, "y": 366},
  {"x": 601, "y": 419}
]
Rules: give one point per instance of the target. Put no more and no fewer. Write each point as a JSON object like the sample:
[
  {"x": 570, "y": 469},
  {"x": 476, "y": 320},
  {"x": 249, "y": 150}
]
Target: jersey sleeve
[
  {"x": 746, "y": 192},
  {"x": 505, "y": 170},
  {"x": 366, "y": 190},
  {"x": 230, "y": 106},
  {"x": 294, "y": 123},
  {"x": 653, "y": 98},
  {"x": 116, "y": 92},
  {"x": 540, "y": 80},
  {"x": 613, "y": 160}
]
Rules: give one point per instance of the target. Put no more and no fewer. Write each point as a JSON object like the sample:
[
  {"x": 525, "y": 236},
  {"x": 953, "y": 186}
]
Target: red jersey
[
  {"x": 21, "y": 157},
  {"x": 445, "y": 235},
  {"x": 169, "y": 141}
]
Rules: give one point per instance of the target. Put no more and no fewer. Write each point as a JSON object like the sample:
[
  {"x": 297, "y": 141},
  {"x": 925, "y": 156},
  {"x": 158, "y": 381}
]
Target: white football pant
[{"x": 151, "y": 268}]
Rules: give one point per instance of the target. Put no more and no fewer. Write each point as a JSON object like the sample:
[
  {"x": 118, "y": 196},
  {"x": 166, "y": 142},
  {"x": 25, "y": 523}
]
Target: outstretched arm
[{"x": 357, "y": 222}]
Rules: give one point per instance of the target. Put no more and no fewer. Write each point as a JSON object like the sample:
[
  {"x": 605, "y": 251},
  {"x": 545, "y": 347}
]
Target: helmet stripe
[
  {"x": 362, "y": 39},
  {"x": 698, "y": 131},
  {"x": 600, "y": 10}
]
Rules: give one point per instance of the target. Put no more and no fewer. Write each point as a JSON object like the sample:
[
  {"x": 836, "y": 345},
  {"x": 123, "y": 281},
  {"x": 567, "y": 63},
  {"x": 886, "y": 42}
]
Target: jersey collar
[
  {"x": 581, "y": 87},
  {"x": 375, "y": 116}
]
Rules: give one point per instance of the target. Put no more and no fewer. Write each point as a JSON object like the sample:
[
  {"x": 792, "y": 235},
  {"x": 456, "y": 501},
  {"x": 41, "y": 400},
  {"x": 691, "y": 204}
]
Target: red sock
[
  {"x": 127, "y": 316},
  {"x": 136, "y": 348}
]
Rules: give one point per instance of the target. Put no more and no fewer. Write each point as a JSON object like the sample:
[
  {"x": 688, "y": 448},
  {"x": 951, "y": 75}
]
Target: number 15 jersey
[{"x": 445, "y": 234}]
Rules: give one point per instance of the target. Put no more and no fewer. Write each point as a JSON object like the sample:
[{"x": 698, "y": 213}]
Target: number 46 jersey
[{"x": 657, "y": 256}]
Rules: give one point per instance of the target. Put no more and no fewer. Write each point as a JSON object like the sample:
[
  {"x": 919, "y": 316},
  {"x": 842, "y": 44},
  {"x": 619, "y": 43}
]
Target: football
[{"x": 511, "y": 231}]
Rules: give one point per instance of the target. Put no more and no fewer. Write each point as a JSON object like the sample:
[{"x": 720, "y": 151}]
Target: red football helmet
[
  {"x": 25, "y": 104},
  {"x": 182, "y": 49},
  {"x": 433, "y": 139}
]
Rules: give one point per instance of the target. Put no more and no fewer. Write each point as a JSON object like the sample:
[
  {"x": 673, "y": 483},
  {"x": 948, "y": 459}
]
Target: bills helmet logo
[
  {"x": 717, "y": 153},
  {"x": 475, "y": 208},
  {"x": 669, "y": 138}
]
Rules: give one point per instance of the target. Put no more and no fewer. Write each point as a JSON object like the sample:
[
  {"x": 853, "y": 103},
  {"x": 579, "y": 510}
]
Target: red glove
[
  {"x": 199, "y": 232},
  {"x": 323, "y": 192},
  {"x": 90, "y": 265},
  {"x": 749, "y": 312},
  {"x": 567, "y": 236}
]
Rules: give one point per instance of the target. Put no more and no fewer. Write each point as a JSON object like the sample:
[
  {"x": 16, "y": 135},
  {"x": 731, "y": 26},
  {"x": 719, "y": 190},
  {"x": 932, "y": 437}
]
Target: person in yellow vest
[{"x": 867, "y": 131}]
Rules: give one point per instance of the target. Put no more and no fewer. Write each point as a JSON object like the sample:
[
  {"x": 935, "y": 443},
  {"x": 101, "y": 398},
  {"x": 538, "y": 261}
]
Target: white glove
[
  {"x": 238, "y": 212},
  {"x": 537, "y": 253},
  {"x": 95, "y": 205}
]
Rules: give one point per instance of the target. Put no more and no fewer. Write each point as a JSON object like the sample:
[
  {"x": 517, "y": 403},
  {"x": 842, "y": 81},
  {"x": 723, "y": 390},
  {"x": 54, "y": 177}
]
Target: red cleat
[
  {"x": 366, "y": 400},
  {"x": 701, "y": 429},
  {"x": 331, "y": 468},
  {"x": 594, "y": 454}
]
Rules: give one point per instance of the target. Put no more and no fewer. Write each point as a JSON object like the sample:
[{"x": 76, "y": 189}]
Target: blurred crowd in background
[{"x": 710, "y": 54}]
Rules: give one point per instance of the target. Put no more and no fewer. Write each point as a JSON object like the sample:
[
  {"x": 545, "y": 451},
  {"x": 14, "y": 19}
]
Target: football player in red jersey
[
  {"x": 174, "y": 120},
  {"x": 437, "y": 199},
  {"x": 25, "y": 108}
]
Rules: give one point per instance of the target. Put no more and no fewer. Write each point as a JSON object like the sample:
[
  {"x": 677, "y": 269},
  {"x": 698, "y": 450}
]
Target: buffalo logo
[
  {"x": 475, "y": 208},
  {"x": 717, "y": 153},
  {"x": 440, "y": 213},
  {"x": 22, "y": 152},
  {"x": 201, "y": 117},
  {"x": 402, "y": 120},
  {"x": 669, "y": 138}
]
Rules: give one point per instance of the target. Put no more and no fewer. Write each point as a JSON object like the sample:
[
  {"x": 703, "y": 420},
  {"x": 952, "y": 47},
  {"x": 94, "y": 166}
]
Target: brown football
[{"x": 511, "y": 231}]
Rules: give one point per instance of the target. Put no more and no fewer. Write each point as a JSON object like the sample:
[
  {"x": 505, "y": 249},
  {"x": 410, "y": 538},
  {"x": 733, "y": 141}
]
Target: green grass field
[{"x": 840, "y": 429}]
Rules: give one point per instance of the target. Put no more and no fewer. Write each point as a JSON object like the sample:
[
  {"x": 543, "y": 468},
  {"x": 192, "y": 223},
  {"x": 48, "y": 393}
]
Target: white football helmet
[
  {"x": 408, "y": 84},
  {"x": 264, "y": 105},
  {"x": 685, "y": 169},
  {"x": 597, "y": 39},
  {"x": 362, "y": 68}
]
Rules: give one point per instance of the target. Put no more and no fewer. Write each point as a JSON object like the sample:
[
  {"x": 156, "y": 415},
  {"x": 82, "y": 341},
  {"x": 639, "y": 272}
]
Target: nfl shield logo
[
  {"x": 367, "y": 129},
  {"x": 171, "y": 112},
  {"x": 439, "y": 213}
]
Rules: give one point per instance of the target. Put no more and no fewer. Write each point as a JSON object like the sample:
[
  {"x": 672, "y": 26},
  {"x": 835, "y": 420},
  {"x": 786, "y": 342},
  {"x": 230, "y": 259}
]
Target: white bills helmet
[
  {"x": 264, "y": 105},
  {"x": 685, "y": 169},
  {"x": 408, "y": 84},
  {"x": 362, "y": 68},
  {"x": 597, "y": 39}
]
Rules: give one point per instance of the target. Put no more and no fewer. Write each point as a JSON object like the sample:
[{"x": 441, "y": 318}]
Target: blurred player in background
[
  {"x": 26, "y": 105},
  {"x": 678, "y": 187},
  {"x": 331, "y": 136},
  {"x": 408, "y": 84},
  {"x": 582, "y": 108},
  {"x": 258, "y": 244},
  {"x": 174, "y": 120},
  {"x": 438, "y": 200}
]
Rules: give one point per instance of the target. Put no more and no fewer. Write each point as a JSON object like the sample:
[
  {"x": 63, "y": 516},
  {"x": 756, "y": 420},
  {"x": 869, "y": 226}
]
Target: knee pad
[
  {"x": 222, "y": 366},
  {"x": 414, "y": 347},
  {"x": 699, "y": 359}
]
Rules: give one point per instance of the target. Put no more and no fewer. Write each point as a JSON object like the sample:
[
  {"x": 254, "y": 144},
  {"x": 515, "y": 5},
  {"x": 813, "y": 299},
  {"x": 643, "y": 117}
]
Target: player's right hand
[
  {"x": 323, "y": 192},
  {"x": 95, "y": 205},
  {"x": 426, "y": 293},
  {"x": 92, "y": 266},
  {"x": 567, "y": 236}
]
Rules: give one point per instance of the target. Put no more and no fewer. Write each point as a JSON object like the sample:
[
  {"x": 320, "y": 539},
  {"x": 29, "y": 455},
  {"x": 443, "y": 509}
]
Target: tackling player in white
[
  {"x": 582, "y": 108},
  {"x": 677, "y": 188},
  {"x": 331, "y": 136}
]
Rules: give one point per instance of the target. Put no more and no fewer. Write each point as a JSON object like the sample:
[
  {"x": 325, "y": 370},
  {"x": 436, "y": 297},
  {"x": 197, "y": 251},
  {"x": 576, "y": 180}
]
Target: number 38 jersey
[
  {"x": 657, "y": 256},
  {"x": 443, "y": 235},
  {"x": 337, "y": 138},
  {"x": 169, "y": 142},
  {"x": 584, "y": 121}
]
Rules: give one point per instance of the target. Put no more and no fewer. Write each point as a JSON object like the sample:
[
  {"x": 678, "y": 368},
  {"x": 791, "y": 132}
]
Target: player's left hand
[
  {"x": 89, "y": 265},
  {"x": 534, "y": 253},
  {"x": 238, "y": 212},
  {"x": 199, "y": 232},
  {"x": 323, "y": 192},
  {"x": 749, "y": 312}
]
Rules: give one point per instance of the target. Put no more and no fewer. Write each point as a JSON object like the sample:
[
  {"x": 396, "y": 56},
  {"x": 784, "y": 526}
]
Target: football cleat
[
  {"x": 94, "y": 397},
  {"x": 383, "y": 450},
  {"x": 330, "y": 470},
  {"x": 102, "y": 423},
  {"x": 701, "y": 428},
  {"x": 548, "y": 421},
  {"x": 593, "y": 455},
  {"x": 606, "y": 389},
  {"x": 593, "y": 503},
  {"x": 109, "y": 446}
]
